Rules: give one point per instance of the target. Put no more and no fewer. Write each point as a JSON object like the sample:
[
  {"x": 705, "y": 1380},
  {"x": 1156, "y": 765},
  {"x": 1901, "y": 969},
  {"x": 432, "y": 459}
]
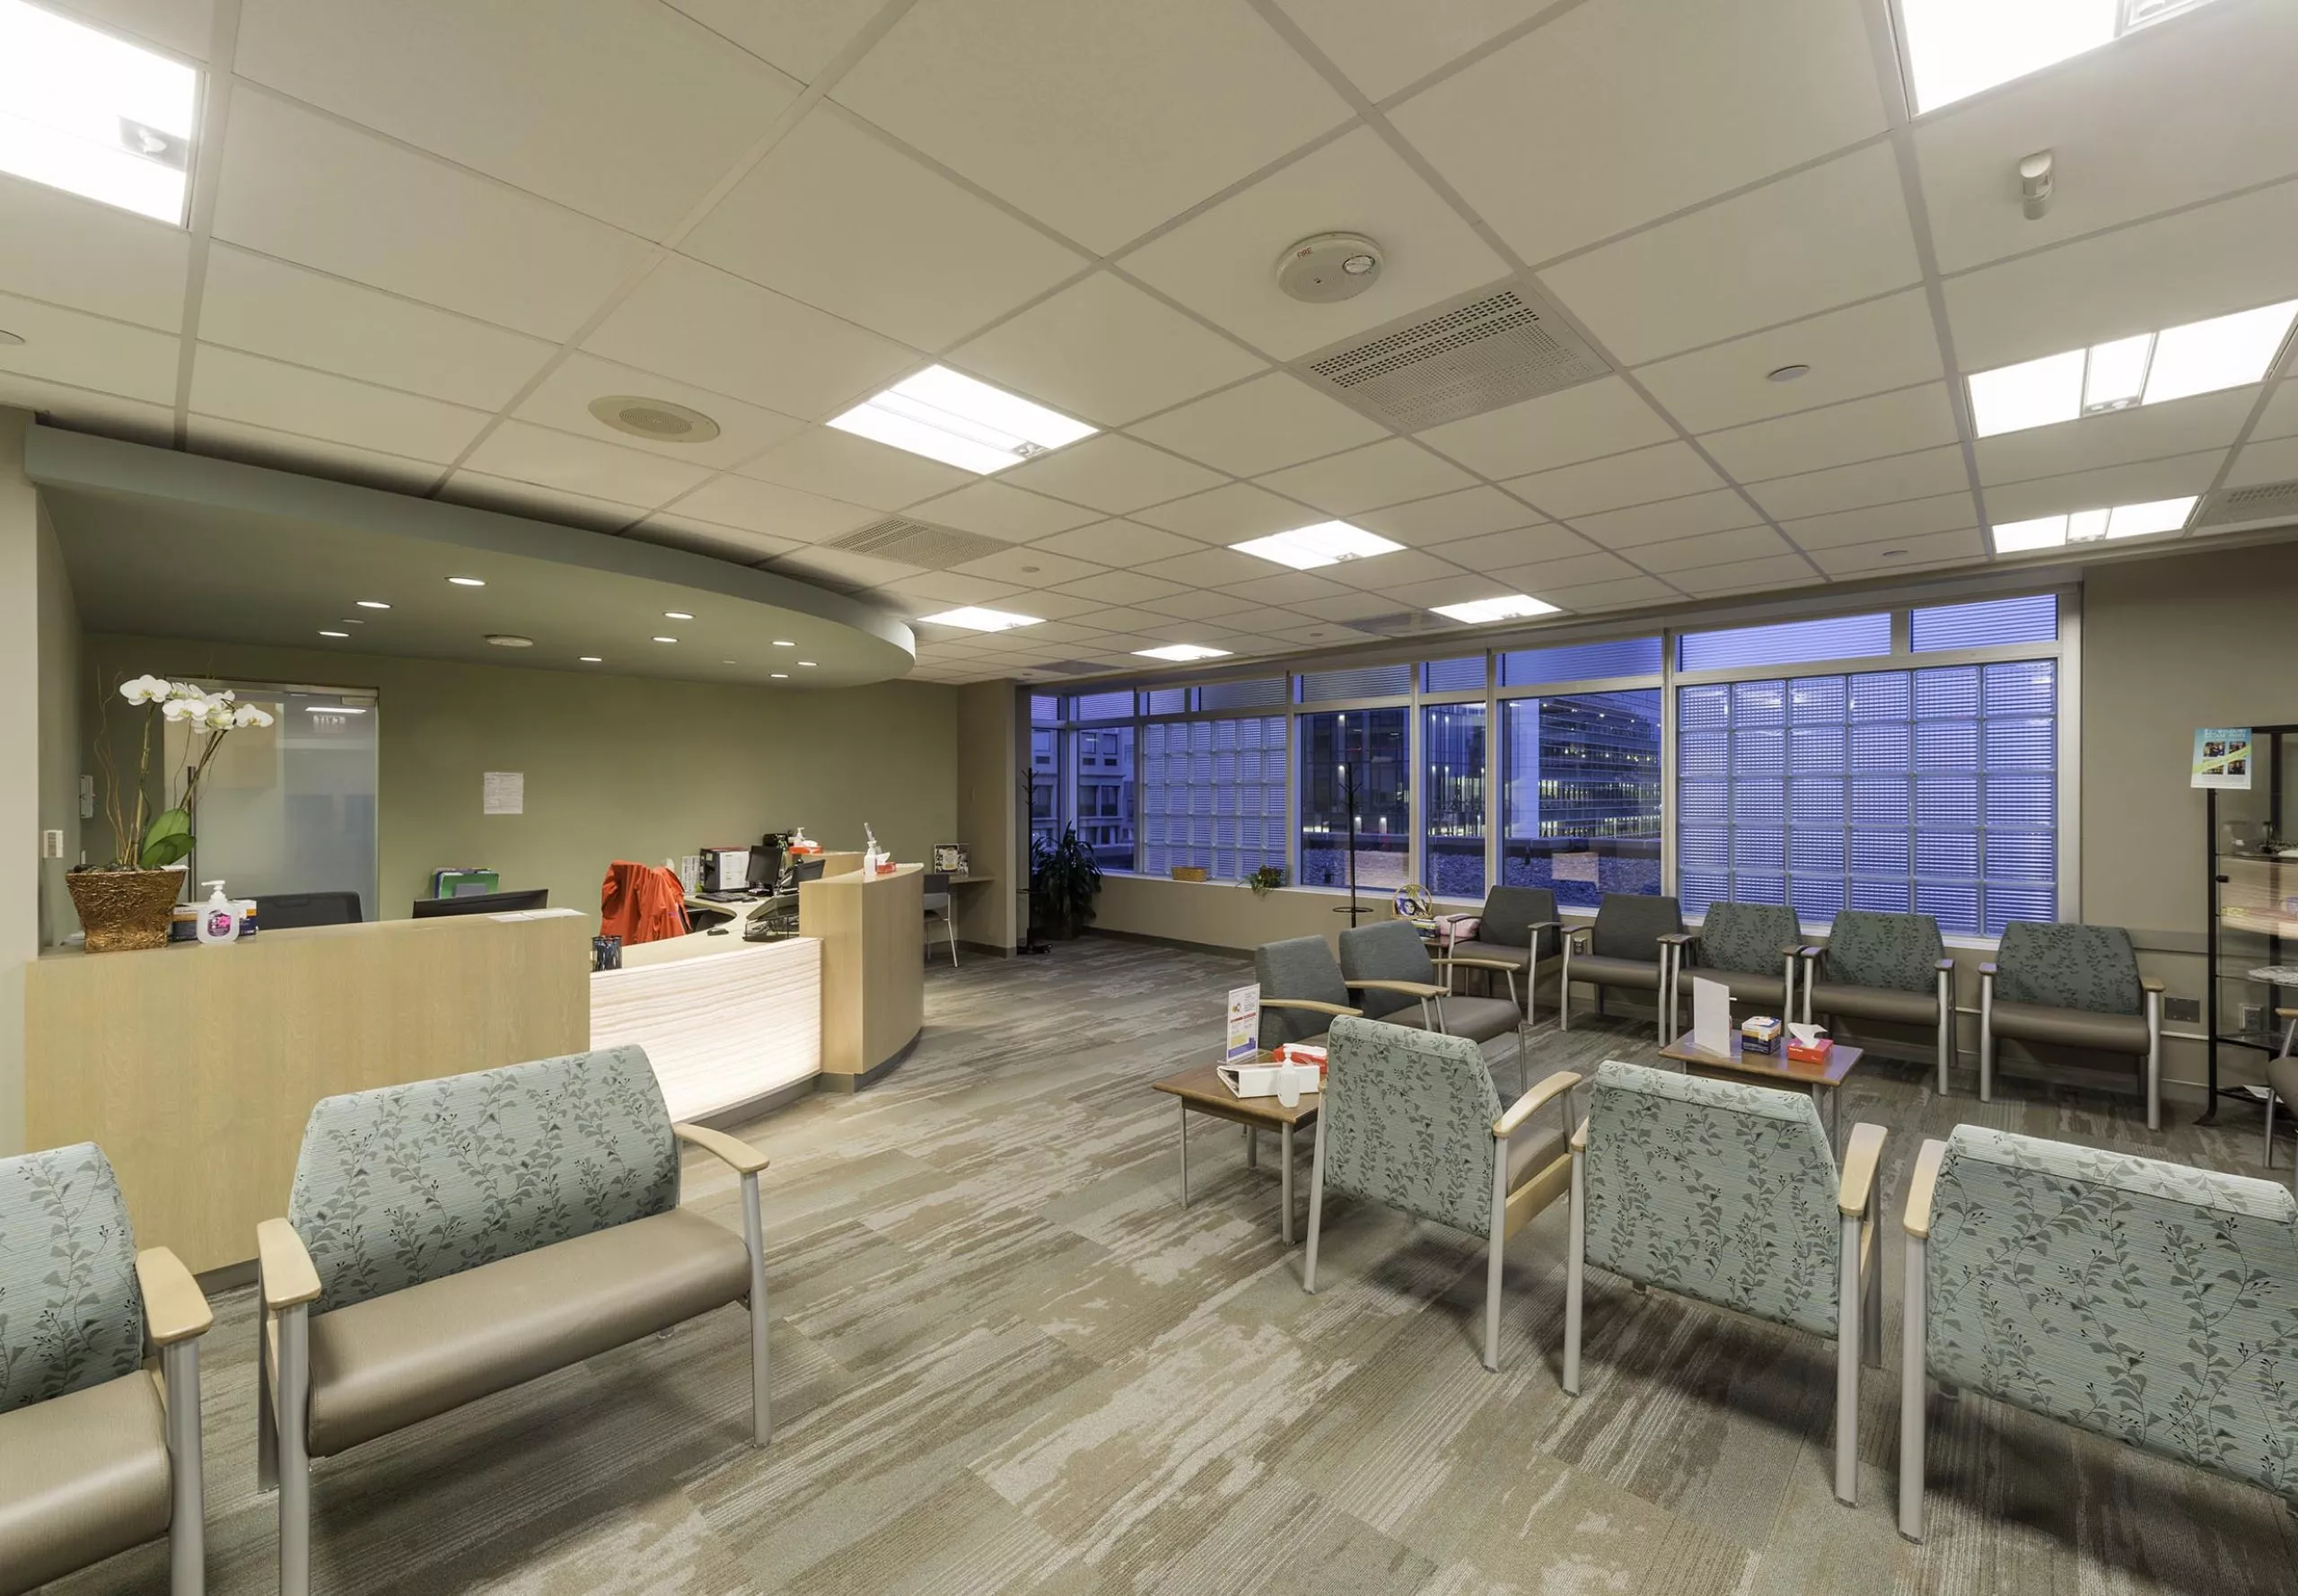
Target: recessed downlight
[
  {"x": 335, "y": 633},
  {"x": 509, "y": 640},
  {"x": 780, "y": 675},
  {"x": 666, "y": 640},
  {"x": 1787, "y": 373},
  {"x": 588, "y": 659},
  {"x": 783, "y": 642},
  {"x": 676, "y": 615},
  {"x": 468, "y": 581},
  {"x": 372, "y": 604},
  {"x": 809, "y": 664},
  {"x": 657, "y": 420}
]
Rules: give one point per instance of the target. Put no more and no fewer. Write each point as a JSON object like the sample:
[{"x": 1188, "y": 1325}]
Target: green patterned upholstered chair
[
  {"x": 96, "y": 1454},
  {"x": 1518, "y": 929},
  {"x": 1300, "y": 990},
  {"x": 1752, "y": 947},
  {"x": 2074, "y": 987},
  {"x": 1729, "y": 1193},
  {"x": 449, "y": 1239},
  {"x": 1624, "y": 948},
  {"x": 1410, "y": 1119},
  {"x": 1394, "y": 977},
  {"x": 2148, "y": 1302},
  {"x": 2282, "y": 1087},
  {"x": 1886, "y": 966}
]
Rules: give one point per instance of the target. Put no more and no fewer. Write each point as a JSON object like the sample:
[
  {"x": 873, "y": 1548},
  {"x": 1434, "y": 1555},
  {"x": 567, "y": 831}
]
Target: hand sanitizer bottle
[{"x": 219, "y": 918}]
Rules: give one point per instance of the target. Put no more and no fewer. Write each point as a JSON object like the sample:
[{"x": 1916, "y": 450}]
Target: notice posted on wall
[
  {"x": 2221, "y": 758},
  {"x": 504, "y": 793}
]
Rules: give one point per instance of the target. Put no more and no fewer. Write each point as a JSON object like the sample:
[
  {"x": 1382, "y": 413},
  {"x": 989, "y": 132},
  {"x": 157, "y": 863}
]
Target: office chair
[
  {"x": 276, "y": 910},
  {"x": 937, "y": 907}
]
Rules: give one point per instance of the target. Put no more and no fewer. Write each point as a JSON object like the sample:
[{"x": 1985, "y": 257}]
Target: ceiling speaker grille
[
  {"x": 1494, "y": 347},
  {"x": 2235, "y": 506},
  {"x": 916, "y": 543}
]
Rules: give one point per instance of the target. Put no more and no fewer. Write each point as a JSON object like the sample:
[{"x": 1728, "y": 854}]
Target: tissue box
[
  {"x": 1759, "y": 1034},
  {"x": 1812, "y": 1052}
]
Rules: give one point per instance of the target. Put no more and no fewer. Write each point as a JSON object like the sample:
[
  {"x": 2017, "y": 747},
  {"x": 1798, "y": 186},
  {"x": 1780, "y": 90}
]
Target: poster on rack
[
  {"x": 2221, "y": 758},
  {"x": 1244, "y": 1026}
]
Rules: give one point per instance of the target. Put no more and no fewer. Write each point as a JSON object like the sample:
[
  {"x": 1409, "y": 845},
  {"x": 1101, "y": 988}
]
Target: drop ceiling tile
[
  {"x": 1843, "y": 435},
  {"x": 994, "y": 510},
  {"x": 1230, "y": 514},
  {"x": 1621, "y": 594},
  {"x": 1719, "y": 96},
  {"x": 268, "y": 307},
  {"x": 1113, "y": 474},
  {"x": 1383, "y": 46},
  {"x": 1721, "y": 510},
  {"x": 83, "y": 351},
  {"x": 1861, "y": 349},
  {"x": 1963, "y": 544},
  {"x": 1125, "y": 544},
  {"x": 474, "y": 82},
  {"x": 1353, "y": 607},
  {"x": 2127, "y": 118},
  {"x": 1710, "y": 548},
  {"x": 289, "y": 399},
  {"x": 1523, "y": 546},
  {"x": 1029, "y": 567},
  {"x": 777, "y": 511},
  {"x": 836, "y": 568},
  {"x": 1105, "y": 352},
  {"x": 1220, "y": 263},
  {"x": 285, "y": 452},
  {"x": 702, "y": 537},
  {"x": 709, "y": 328},
  {"x": 83, "y": 409},
  {"x": 1121, "y": 587},
  {"x": 837, "y": 217},
  {"x": 838, "y": 465},
  {"x": 1884, "y": 523},
  {"x": 305, "y": 189},
  {"x": 1789, "y": 249},
  {"x": 1101, "y": 117},
  {"x": 2179, "y": 426},
  {"x": 74, "y": 253},
  {"x": 1055, "y": 606},
  {"x": 2215, "y": 259},
  {"x": 1112, "y": 617},
  {"x": 2138, "y": 483},
  {"x": 1200, "y": 606},
  {"x": 1604, "y": 416},
  {"x": 1385, "y": 570},
  {"x": 1285, "y": 587},
  {"x": 800, "y": 36},
  {"x": 563, "y": 401},
  {"x": 1922, "y": 474},
  {"x": 1662, "y": 471},
  {"x": 1266, "y": 425},
  {"x": 1542, "y": 579},
  {"x": 547, "y": 457},
  {"x": 1449, "y": 590},
  {"x": 537, "y": 502},
  {"x": 183, "y": 26},
  {"x": 1379, "y": 474},
  {"x": 938, "y": 591},
  {"x": 1327, "y": 636},
  {"x": 1209, "y": 567},
  {"x": 2279, "y": 419},
  {"x": 1779, "y": 571},
  {"x": 2276, "y": 460},
  {"x": 1434, "y": 522}
]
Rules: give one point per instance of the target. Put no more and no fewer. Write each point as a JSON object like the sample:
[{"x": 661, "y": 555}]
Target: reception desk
[
  {"x": 195, "y": 1068},
  {"x": 726, "y": 1023},
  {"x": 873, "y": 972}
]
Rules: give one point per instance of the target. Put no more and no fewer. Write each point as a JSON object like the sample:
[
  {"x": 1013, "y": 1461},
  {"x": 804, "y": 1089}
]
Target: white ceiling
[{"x": 425, "y": 236}]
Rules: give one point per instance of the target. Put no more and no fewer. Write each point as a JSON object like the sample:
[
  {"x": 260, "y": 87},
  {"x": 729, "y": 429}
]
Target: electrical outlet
[
  {"x": 2182, "y": 1010},
  {"x": 51, "y": 845}
]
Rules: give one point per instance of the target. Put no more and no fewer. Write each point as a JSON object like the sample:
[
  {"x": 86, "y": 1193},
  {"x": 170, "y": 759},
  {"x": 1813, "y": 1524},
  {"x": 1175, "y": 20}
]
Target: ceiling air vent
[
  {"x": 1071, "y": 668},
  {"x": 916, "y": 543},
  {"x": 1493, "y": 347},
  {"x": 2242, "y": 506},
  {"x": 1406, "y": 623}
]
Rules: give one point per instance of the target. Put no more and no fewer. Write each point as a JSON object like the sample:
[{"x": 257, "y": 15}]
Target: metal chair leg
[
  {"x": 188, "y": 1504},
  {"x": 1316, "y": 1210},
  {"x": 1575, "y": 1267},
  {"x": 1912, "y": 1381},
  {"x": 2269, "y": 1126},
  {"x": 761, "y": 1384}
]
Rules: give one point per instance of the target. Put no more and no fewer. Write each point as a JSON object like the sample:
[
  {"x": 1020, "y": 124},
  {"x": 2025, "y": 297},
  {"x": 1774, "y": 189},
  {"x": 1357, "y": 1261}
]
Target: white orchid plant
[{"x": 160, "y": 841}]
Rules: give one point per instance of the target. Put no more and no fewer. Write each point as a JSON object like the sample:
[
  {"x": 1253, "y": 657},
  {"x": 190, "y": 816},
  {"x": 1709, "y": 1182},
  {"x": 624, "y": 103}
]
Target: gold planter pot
[{"x": 125, "y": 909}]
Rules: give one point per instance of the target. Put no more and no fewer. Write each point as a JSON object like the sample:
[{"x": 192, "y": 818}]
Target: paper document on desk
[{"x": 1711, "y": 1017}]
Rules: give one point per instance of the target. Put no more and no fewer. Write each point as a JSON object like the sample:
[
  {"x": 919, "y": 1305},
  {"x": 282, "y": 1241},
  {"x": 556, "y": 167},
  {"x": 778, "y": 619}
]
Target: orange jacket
[{"x": 641, "y": 903}]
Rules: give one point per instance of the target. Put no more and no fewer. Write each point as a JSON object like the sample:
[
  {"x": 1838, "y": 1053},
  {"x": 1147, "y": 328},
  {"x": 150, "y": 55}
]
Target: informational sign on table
[
  {"x": 1244, "y": 1025},
  {"x": 1711, "y": 1017},
  {"x": 2221, "y": 758}
]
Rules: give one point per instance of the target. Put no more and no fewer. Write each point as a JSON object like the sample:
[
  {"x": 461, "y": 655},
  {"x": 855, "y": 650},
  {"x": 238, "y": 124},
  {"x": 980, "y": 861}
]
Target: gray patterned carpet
[{"x": 1007, "y": 1360}]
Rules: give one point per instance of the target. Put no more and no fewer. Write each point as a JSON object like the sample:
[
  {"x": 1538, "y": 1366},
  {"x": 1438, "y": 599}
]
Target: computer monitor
[
  {"x": 766, "y": 868},
  {"x": 482, "y": 903},
  {"x": 808, "y": 870}
]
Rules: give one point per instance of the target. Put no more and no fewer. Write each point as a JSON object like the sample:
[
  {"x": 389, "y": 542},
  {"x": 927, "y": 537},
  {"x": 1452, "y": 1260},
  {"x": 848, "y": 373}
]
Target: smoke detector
[
  {"x": 659, "y": 421},
  {"x": 1330, "y": 267}
]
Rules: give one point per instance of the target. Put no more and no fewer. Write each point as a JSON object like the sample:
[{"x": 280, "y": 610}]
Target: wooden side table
[
  {"x": 1775, "y": 1069},
  {"x": 1201, "y": 1090}
]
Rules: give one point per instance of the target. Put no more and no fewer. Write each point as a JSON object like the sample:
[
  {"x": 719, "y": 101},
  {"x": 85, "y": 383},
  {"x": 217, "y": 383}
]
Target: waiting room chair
[
  {"x": 1729, "y": 1194},
  {"x": 275, "y": 911},
  {"x": 1622, "y": 949},
  {"x": 2282, "y": 1087},
  {"x": 1754, "y": 949},
  {"x": 936, "y": 889},
  {"x": 2075, "y": 986},
  {"x": 1517, "y": 926},
  {"x": 1883, "y": 967},
  {"x": 1302, "y": 992},
  {"x": 2146, "y": 1301},
  {"x": 98, "y": 1454},
  {"x": 1412, "y": 1119},
  {"x": 1390, "y": 970}
]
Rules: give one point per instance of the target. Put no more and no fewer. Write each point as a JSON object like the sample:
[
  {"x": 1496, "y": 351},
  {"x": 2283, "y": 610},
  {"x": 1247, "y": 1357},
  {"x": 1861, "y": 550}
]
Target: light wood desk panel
[
  {"x": 196, "y": 1068},
  {"x": 874, "y": 969}
]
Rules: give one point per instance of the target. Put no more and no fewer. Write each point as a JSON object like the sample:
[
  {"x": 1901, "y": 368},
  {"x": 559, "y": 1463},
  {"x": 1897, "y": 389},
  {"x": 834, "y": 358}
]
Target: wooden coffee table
[
  {"x": 1201, "y": 1090},
  {"x": 1773, "y": 1069}
]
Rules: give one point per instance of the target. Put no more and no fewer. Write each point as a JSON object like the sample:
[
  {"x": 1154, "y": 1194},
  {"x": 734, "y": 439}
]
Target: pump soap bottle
[{"x": 219, "y": 918}]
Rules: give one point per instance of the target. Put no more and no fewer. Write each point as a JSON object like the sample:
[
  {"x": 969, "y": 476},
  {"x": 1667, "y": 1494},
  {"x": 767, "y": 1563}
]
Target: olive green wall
[
  {"x": 62, "y": 691},
  {"x": 616, "y": 767}
]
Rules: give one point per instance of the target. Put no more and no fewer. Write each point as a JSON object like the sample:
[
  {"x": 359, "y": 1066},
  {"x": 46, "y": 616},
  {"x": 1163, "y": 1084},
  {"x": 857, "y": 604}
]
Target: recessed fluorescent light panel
[
  {"x": 1182, "y": 653},
  {"x": 2200, "y": 357},
  {"x": 88, "y": 112},
  {"x": 2093, "y": 526},
  {"x": 1508, "y": 607},
  {"x": 960, "y": 422},
  {"x": 1326, "y": 543},
  {"x": 1956, "y": 48},
  {"x": 974, "y": 618}
]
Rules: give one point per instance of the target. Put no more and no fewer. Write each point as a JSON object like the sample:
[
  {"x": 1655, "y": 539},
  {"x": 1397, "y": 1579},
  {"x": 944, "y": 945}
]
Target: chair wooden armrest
[
  {"x": 174, "y": 1308},
  {"x": 1475, "y": 963},
  {"x": 1920, "y": 1185},
  {"x": 1856, "y": 1190},
  {"x": 1580, "y": 1138},
  {"x": 1531, "y": 1103},
  {"x": 1310, "y": 1006},
  {"x": 2151, "y": 983},
  {"x": 1949, "y": 964},
  {"x": 289, "y": 1280},
  {"x": 1985, "y": 969},
  {"x": 732, "y": 1150},
  {"x": 1544, "y": 925},
  {"x": 1409, "y": 989}
]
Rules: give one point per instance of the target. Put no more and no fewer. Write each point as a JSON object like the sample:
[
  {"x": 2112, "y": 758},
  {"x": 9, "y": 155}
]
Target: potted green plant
[
  {"x": 128, "y": 902},
  {"x": 1065, "y": 878},
  {"x": 1264, "y": 881}
]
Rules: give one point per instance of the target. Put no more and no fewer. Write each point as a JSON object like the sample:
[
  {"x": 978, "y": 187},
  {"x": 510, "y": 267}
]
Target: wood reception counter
[{"x": 872, "y": 930}]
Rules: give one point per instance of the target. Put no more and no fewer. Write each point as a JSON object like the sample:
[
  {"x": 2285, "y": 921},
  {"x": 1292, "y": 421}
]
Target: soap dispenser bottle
[{"x": 219, "y": 918}]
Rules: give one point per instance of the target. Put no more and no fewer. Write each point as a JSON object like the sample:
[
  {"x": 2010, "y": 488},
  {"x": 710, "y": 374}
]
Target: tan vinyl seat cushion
[
  {"x": 1479, "y": 1018},
  {"x": 81, "y": 1477},
  {"x": 1746, "y": 985},
  {"x": 393, "y": 1361},
  {"x": 1875, "y": 1002},
  {"x": 1604, "y": 971},
  {"x": 2072, "y": 1027}
]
